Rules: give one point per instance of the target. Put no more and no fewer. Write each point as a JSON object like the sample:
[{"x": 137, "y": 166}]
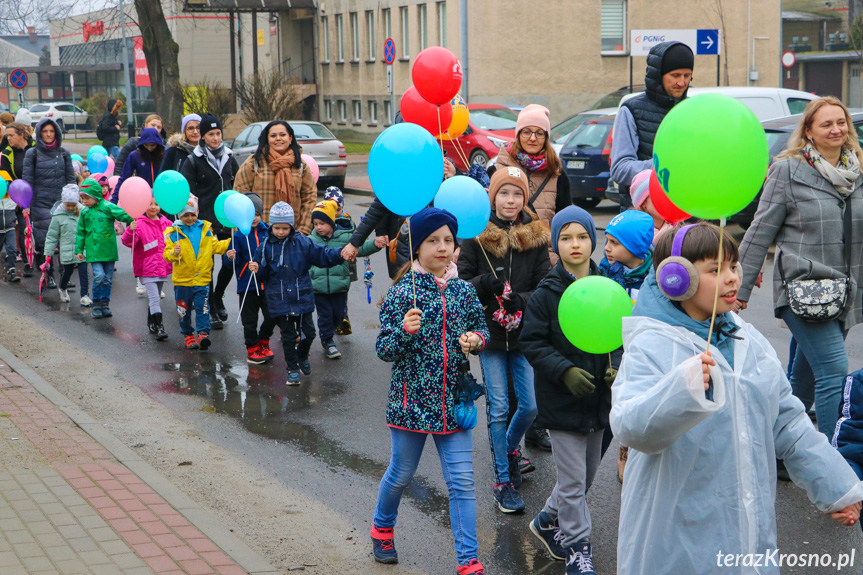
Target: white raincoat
[{"x": 701, "y": 475}]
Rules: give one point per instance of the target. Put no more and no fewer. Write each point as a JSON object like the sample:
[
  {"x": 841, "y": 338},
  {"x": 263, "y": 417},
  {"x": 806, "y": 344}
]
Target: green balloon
[
  {"x": 97, "y": 150},
  {"x": 710, "y": 155},
  {"x": 220, "y": 208},
  {"x": 77, "y": 158},
  {"x": 4, "y": 186},
  {"x": 591, "y": 313},
  {"x": 171, "y": 191}
]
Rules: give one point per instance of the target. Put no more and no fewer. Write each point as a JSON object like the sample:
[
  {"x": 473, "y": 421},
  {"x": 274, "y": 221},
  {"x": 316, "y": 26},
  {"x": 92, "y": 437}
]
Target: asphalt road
[{"x": 328, "y": 438}]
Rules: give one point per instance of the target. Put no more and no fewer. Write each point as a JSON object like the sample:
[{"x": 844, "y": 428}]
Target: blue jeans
[
  {"x": 455, "y": 451},
  {"x": 503, "y": 440},
  {"x": 103, "y": 278},
  {"x": 7, "y": 243},
  {"x": 819, "y": 368},
  {"x": 195, "y": 298},
  {"x": 114, "y": 151}
]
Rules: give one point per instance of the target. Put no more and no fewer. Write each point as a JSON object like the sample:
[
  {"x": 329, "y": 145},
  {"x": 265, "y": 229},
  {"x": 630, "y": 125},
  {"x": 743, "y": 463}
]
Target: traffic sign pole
[
  {"x": 74, "y": 108},
  {"x": 389, "y": 57}
]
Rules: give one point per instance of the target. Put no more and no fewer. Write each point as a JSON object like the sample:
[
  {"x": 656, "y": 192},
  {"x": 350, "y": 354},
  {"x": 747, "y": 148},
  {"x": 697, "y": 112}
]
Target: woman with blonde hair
[{"x": 812, "y": 208}]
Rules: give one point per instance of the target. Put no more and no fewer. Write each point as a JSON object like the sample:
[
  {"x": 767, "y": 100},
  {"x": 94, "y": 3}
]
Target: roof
[
  {"x": 22, "y": 41},
  {"x": 245, "y": 5},
  {"x": 792, "y": 16}
]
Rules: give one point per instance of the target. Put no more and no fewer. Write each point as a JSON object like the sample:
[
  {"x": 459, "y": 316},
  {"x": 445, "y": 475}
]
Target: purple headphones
[{"x": 676, "y": 276}]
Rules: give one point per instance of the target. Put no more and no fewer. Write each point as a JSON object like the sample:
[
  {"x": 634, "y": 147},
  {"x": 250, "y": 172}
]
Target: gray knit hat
[
  {"x": 70, "y": 194},
  {"x": 281, "y": 213},
  {"x": 257, "y": 202}
]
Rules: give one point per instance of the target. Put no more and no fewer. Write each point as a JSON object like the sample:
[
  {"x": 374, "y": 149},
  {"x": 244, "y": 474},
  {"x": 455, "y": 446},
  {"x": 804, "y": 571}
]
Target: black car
[{"x": 585, "y": 156}]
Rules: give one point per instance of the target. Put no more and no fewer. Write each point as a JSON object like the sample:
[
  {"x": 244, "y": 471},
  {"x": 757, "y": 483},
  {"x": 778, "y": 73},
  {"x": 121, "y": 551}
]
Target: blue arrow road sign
[
  {"x": 389, "y": 51},
  {"x": 707, "y": 42},
  {"x": 18, "y": 78}
]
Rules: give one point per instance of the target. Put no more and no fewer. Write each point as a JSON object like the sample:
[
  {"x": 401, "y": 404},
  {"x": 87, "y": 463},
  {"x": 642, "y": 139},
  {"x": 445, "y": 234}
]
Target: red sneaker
[
  {"x": 472, "y": 568},
  {"x": 204, "y": 341},
  {"x": 256, "y": 355},
  {"x": 264, "y": 346},
  {"x": 191, "y": 341}
]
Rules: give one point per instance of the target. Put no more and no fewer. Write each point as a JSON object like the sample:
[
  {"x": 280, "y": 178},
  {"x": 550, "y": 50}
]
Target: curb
[
  {"x": 251, "y": 561},
  {"x": 359, "y": 192}
]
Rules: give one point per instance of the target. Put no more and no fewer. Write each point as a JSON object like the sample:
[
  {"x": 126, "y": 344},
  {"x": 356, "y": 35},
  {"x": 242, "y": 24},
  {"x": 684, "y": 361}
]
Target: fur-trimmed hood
[
  {"x": 528, "y": 233},
  {"x": 174, "y": 141}
]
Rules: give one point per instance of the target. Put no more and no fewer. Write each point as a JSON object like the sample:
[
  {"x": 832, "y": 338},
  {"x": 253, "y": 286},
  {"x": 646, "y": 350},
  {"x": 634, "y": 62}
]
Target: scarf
[
  {"x": 509, "y": 321},
  {"x": 450, "y": 273},
  {"x": 214, "y": 157},
  {"x": 842, "y": 176},
  {"x": 281, "y": 166},
  {"x": 528, "y": 162},
  {"x": 187, "y": 146},
  {"x": 53, "y": 145}
]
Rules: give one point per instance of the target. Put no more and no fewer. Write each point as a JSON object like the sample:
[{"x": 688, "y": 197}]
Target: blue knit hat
[
  {"x": 426, "y": 222},
  {"x": 572, "y": 215},
  {"x": 634, "y": 230},
  {"x": 335, "y": 194},
  {"x": 281, "y": 213}
]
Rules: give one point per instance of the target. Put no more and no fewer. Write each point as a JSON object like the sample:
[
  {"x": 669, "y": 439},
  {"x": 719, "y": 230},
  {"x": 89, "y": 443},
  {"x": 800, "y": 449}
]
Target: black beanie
[
  {"x": 677, "y": 57},
  {"x": 209, "y": 122}
]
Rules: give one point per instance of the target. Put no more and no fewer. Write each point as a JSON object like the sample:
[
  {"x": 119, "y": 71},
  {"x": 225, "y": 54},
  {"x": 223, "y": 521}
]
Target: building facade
[{"x": 563, "y": 54}]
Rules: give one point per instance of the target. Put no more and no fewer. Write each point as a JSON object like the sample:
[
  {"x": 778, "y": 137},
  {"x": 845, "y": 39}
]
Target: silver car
[
  {"x": 64, "y": 113},
  {"x": 316, "y": 141}
]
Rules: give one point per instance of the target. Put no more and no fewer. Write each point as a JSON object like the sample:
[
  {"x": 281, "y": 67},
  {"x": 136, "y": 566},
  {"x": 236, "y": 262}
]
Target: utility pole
[{"x": 129, "y": 108}]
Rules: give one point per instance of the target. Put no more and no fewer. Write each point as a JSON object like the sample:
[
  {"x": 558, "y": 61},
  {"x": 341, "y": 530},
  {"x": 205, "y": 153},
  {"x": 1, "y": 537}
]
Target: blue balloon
[
  {"x": 97, "y": 163},
  {"x": 240, "y": 211},
  {"x": 468, "y": 201},
  {"x": 405, "y": 168}
]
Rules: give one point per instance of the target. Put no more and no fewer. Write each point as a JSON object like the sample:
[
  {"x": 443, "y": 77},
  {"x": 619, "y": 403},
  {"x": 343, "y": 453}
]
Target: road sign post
[
  {"x": 74, "y": 107},
  {"x": 389, "y": 58}
]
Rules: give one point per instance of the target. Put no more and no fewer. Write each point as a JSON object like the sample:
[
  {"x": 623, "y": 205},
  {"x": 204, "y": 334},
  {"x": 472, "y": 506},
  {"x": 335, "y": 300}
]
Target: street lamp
[{"x": 753, "y": 74}]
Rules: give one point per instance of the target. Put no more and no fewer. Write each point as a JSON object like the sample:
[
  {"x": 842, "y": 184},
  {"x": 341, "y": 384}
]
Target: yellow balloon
[{"x": 460, "y": 118}]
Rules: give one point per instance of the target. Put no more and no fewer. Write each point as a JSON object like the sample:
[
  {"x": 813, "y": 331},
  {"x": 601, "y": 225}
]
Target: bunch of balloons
[{"x": 433, "y": 102}]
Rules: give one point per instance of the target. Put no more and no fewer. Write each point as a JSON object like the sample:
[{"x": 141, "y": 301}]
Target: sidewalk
[{"x": 73, "y": 499}]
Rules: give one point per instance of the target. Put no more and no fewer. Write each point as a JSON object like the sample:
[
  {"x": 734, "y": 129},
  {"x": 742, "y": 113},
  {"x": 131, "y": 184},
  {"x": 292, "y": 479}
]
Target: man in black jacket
[
  {"x": 109, "y": 128},
  {"x": 669, "y": 72}
]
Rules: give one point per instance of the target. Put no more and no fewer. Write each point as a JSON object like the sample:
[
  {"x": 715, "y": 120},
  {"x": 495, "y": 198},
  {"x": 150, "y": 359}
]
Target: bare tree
[
  {"x": 161, "y": 52},
  {"x": 207, "y": 96},
  {"x": 856, "y": 34},
  {"x": 17, "y": 15},
  {"x": 269, "y": 96}
]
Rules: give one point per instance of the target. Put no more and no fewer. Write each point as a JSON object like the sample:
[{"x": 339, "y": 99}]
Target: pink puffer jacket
[{"x": 147, "y": 259}]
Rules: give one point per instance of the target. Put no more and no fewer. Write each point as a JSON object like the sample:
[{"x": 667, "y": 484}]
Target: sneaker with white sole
[
  {"x": 548, "y": 531},
  {"x": 508, "y": 499},
  {"x": 86, "y": 301},
  {"x": 64, "y": 296},
  {"x": 139, "y": 287},
  {"x": 578, "y": 559},
  {"x": 162, "y": 294},
  {"x": 293, "y": 377},
  {"x": 331, "y": 350}
]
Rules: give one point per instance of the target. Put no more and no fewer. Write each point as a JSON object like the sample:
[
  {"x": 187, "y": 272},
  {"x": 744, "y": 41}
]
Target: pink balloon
[
  {"x": 110, "y": 169},
  {"x": 313, "y": 166},
  {"x": 135, "y": 196},
  {"x": 112, "y": 182}
]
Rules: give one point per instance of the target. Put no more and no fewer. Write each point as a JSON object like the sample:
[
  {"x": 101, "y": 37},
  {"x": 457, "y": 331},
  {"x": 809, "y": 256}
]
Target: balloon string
[
  {"x": 439, "y": 131},
  {"x": 177, "y": 230},
  {"x": 461, "y": 152},
  {"x": 234, "y": 259},
  {"x": 248, "y": 245},
  {"x": 413, "y": 277},
  {"x": 243, "y": 303},
  {"x": 486, "y": 259},
  {"x": 718, "y": 279}
]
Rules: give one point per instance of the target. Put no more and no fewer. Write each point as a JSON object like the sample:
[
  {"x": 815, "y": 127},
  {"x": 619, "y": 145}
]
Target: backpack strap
[{"x": 538, "y": 191}]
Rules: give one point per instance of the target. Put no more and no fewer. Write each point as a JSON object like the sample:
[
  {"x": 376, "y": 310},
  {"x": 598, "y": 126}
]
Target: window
[
  {"x": 373, "y": 112},
  {"x": 613, "y": 27},
  {"x": 311, "y": 131},
  {"x": 441, "y": 23},
  {"x": 388, "y": 23},
  {"x": 388, "y": 118},
  {"x": 355, "y": 38},
  {"x": 406, "y": 52},
  {"x": 358, "y": 111},
  {"x": 326, "y": 38},
  {"x": 797, "y": 105},
  {"x": 343, "y": 111},
  {"x": 370, "y": 24},
  {"x": 340, "y": 38},
  {"x": 423, "y": 21},
  {"x": 328, "y": 110}
]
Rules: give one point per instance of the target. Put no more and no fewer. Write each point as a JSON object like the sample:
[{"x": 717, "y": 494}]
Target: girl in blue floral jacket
[{"x": 425, "y": 336}]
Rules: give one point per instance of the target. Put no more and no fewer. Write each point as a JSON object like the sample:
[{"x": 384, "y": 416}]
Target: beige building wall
[{"x": 513, "y": 59}]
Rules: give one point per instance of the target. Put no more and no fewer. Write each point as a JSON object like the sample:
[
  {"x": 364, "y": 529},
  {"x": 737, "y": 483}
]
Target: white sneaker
[
  {"x": 64, "y": 295},
  {"x": 163, "y": 295},
  {"x": 139, "y": 288},
  {"x": 86, "y": 301}
]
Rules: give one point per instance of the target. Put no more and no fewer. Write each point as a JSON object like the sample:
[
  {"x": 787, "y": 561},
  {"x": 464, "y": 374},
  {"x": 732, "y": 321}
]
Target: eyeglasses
[
  {"x": 526, "y": 134},
  {"x": 195, "y": 129}
]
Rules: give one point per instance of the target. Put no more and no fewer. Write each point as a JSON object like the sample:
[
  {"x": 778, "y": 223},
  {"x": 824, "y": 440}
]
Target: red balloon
[
  {"x": 664, "y": 207},
  {"x": 437, "y": 75},
  {"x": 418, "y": 111}
]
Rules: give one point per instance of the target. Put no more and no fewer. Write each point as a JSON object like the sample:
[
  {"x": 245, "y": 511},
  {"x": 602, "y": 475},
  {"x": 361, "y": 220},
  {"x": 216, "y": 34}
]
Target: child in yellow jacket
[{"x": 190, "y": 246}]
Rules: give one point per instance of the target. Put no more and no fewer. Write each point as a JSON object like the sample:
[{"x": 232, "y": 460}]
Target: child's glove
[
  {"x": 610, "y": 375},
  {"x": 578, "y": 381},
  {"x": 491, "y": 284}
]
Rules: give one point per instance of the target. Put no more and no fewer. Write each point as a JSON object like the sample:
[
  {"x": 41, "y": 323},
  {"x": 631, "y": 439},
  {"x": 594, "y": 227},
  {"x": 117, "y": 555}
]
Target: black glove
[
  {"x": 578, "y": 381},
  {"x": 491, "y": 284},
  {"x": 514, "y": 304},
  {"x": 610, "y": 375}
]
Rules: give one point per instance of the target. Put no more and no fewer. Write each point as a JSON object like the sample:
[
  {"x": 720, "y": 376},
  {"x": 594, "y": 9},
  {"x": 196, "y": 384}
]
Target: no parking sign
[{"x": 18, "y": 78}]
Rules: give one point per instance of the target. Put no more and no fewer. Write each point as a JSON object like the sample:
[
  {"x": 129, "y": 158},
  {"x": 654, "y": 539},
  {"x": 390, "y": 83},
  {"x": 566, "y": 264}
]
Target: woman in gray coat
[
  {"x": 47, "y": 168},
  {"x": 803, "y": 210}
]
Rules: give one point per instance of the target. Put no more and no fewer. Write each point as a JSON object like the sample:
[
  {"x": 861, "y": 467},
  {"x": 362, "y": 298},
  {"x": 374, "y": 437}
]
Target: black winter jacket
[
  {"x": 47, "y": 171},
  {"x": 176, "y": 154},
  {"x": 521, "y": 249},
  {"x": 207, "y": 184},
  {"x": 551, "y": 354},
  {"x": 110, "y": 131}
]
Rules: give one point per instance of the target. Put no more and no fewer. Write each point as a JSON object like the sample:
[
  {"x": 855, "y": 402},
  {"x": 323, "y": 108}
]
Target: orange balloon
[{"x": 460, "y": 119}]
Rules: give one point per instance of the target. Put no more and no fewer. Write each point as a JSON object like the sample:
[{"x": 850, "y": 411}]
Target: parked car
[
  {"x": 64, "y": 113},
  {"x": 316, "y": 141},
  {"x": 585, "y": 156},
  {"x": 562, "y": 131},
  {"x": 490, "y": 127}
]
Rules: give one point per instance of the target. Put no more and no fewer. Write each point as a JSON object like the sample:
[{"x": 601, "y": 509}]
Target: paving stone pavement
[{"x": 68, "y": 506}]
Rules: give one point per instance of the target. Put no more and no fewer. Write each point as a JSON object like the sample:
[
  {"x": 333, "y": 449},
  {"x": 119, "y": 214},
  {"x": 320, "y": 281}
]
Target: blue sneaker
[
  {"x": 383, "y": 546},
  {"x": 579, "y": 560},
  {"x": 293, "y": 377},
  {"x": 305, "y": 366},
  {"x": 507, "y": 498},
  {"x": 548, "y": 531}
]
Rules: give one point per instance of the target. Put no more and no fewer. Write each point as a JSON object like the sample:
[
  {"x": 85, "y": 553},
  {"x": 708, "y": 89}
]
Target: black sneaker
[
  {"x": 51, "y": 283},
  {"x": 508, "y": 499},
  {"x": 28, "y": 271},
  {"x": 514, "y": 468},
  {"x": 384, "y": 546},
  {"x": 579, "y": 560},
  {"x": 537, "y": 437},
  {"x": 305, "y": 366},
  {"x": 331, "y": 350},
  {"x": 12, "y": 276},
  {"x": 215, "y": 322},
  {"x": 781, "y": 471},
  {"x": 525, "y": 465},
  {"x": 548, "y": 531}
]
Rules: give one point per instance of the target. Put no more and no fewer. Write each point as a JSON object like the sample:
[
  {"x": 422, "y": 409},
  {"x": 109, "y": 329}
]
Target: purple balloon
[{"x": 21, "y": 193}]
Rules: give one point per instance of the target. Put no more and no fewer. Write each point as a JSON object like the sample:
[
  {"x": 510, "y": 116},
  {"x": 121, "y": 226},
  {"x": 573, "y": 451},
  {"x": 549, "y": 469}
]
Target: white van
[{"x": 765, "y": 103}]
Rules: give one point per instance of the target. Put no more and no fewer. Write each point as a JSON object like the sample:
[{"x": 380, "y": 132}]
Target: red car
[{"x": 490, "y": 127}]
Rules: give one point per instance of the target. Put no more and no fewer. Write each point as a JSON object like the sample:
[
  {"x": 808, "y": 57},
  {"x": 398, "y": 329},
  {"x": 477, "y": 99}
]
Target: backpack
[{"x": 99, "y": 133}]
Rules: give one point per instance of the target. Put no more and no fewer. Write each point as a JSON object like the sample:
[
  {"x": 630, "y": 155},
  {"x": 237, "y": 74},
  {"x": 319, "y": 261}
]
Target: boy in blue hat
[{"x": 628, "y": 240}]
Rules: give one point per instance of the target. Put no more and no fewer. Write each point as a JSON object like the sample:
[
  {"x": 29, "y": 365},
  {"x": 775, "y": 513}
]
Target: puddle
[{"x": 264, "y": 406}]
